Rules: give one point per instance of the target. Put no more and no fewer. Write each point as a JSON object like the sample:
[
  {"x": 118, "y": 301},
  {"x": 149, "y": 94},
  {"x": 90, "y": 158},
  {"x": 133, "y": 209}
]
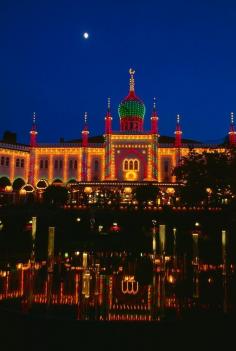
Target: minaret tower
[
  {"x": 178, "y": 140},
  {"x": 85, "y": 133},
  {"x": 154, "y": 132},
  {"x": 108, "y": 131},
  {"x": 33, "y": 144},
  {"x": 178, "y": 133},
  {"x": 154, "y": 119},
  {"x": 33, "y": 132},
  {"x": 108, "y": 118},
  {"x": 232, "y": 132}
]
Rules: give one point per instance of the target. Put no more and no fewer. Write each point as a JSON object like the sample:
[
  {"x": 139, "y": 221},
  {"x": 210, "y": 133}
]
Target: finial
[
  {"x": 154, "y": 103},
  {"x": 178, "y": 118},
  {"x": 85, "y": 117},
  {"x": 131, "y": 80},
  {"x": 232, "y": 117},
  {"x": 109, "y": 103}
]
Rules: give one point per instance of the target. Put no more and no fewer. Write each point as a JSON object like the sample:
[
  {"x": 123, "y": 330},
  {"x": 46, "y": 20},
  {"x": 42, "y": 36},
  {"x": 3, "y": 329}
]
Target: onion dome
[{"x": 131, "y": 109}]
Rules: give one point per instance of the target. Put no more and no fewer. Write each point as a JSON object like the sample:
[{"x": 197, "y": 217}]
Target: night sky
[{"x": 184, "y": 54}]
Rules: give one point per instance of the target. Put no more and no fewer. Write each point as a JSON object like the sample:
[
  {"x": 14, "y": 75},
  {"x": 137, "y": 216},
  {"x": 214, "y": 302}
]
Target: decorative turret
[
  {"x": 108, "y": 118},
  {"x": 178, "y": 133},
  {"x": 131, "y": 110},
  {"x": 85, "y": 131},
  {"x": 232, "y": 132},
  {"x": 154, "y": 119},
  {"x": 33, "y": 132}
]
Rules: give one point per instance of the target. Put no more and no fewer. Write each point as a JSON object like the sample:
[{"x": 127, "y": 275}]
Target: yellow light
[
  {"x": 8, "y": 188},
  {"x": 131, "y": 175}
]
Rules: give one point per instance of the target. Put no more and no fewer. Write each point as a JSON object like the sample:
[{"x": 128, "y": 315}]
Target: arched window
[
  {"x": 71, "y": 164},
  {"x": 41, "y": 164},
  {"x": 135, "y": 165},
  {"x": 126, "y": 165},
  {"x": 131, "y": 165}
]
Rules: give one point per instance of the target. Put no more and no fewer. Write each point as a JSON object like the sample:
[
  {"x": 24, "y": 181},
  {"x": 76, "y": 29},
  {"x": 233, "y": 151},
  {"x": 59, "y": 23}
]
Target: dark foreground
[{"x": 38, "y": 333}]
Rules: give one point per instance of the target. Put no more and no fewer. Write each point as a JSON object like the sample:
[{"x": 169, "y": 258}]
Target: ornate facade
[{"x": 130, "y": 154}]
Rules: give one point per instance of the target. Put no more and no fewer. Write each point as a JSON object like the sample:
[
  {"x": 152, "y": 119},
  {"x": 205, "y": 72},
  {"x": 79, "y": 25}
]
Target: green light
[{"x": 131, "y": 108}]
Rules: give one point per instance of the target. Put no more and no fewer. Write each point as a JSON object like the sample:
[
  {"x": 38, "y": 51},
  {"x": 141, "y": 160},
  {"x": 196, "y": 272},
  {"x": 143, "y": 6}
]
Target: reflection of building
[{"x": 130, "y": 154}]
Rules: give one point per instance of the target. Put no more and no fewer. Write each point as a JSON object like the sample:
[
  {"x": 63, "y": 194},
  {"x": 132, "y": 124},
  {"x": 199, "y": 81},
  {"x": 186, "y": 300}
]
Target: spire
[
  {"x": 85, "y": 131},
  {"x": 108, "y": 118},
  {"x": 154, "y": 118},
  {"x": 178, "y": 132},
  {"x": 232, "y": 132},
  {"x": 33, "y": 132},
  {"x": 131, "y": 80}
]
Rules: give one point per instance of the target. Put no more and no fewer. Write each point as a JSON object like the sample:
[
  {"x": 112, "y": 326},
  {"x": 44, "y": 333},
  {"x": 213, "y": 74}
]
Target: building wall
[{"x": 65, "y": 163}]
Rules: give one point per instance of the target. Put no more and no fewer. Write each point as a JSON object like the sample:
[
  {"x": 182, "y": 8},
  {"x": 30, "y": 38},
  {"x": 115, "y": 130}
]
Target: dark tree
[
  {"x": 146, "y": 193},
  {"x": 55, "y": 195},
  {"x": 205, "y": 177}
]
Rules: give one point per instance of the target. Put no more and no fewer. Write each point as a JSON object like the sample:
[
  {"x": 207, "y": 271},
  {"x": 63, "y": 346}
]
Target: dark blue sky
[{"x": 184, "y": 53}]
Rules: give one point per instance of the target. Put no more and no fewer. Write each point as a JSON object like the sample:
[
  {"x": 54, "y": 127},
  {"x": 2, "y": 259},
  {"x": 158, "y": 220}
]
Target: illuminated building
[{"x": 128, "y": 155}]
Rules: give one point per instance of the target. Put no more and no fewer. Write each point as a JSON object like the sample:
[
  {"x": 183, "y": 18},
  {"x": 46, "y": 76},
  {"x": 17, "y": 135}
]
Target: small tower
[
  {"x": 154, "y": 119},
  {"x": 178, "y": 133},
  {"x": 108, "y": 118},
  {"x": 33, "y": 132},
  {"x": 232, "y": 132},
  {"x": 85, "y": 131}
]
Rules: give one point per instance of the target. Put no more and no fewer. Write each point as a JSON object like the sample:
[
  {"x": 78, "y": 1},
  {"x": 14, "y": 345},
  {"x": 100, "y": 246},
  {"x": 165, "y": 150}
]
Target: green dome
[{"x": 131, "y": 106}]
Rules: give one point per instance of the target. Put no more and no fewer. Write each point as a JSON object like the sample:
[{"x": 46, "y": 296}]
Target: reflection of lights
[
  {"x": 170, "y": 191},
  {"x": 127, "y": 190},
  {"x": 171, "y": 279},
  {"x": 100, "y": 228},
  {"x": 210, "y": 280}
]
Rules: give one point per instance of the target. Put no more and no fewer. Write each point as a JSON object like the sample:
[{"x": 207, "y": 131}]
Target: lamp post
[
  {"x": 224, "y": 240},
  {"x": 195, "y": 260},
  {"x": 174, "y": 249},
  {"x": 154, "y": 242}
]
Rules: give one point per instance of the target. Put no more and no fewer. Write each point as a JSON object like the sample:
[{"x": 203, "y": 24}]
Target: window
[
  {"x": 70, "y": 164},
  {"x": 166, "y": 166},
  {"x": 75, "y": 164},
  {"x": 96, "y": 165},
  {"x": 41, "y": 164},
  {"x": 2, "y": 160},
  {"x": 56, "y": 164},
  {"x": 130, "y": 165},
  {"x": 7, "y": 161},
  {"x": 46, "y": 164},
  {"x": 22, "y": 163},
  {"x": 60, "y": 164},
  {"x": 17, "y": 162}
]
